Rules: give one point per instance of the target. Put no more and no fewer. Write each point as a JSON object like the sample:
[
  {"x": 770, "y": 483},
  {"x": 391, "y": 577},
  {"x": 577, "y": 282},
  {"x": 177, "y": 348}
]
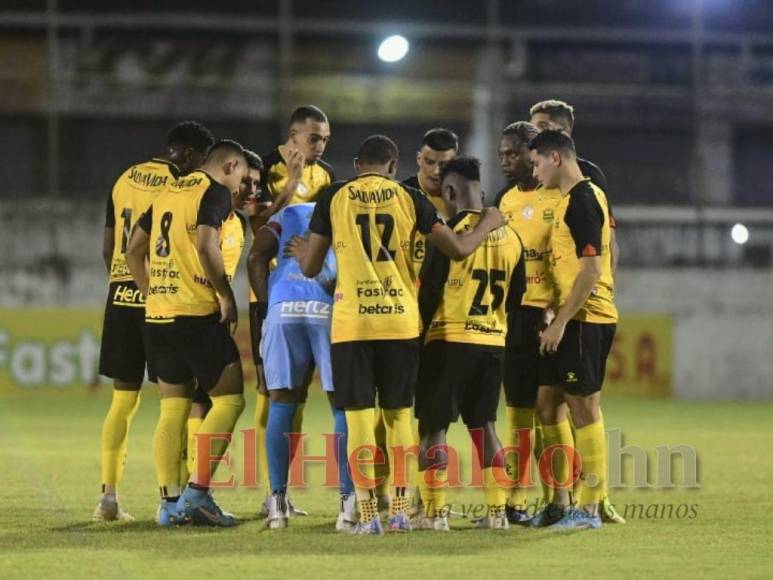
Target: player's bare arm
[
  {"x": 264, "y": 249},
  {"x": 136, "y": 258},
  {"x": 310, "y": 252},
  {"x": 459, "y": 246},
  {"x": 108, "y": 241},
  {"x": 590, "y": 272},
  {"x": 208, "y": 248}
]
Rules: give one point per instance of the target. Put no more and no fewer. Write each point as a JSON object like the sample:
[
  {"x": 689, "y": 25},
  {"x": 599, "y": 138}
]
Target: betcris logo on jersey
[{"x": 287, "y": 283}]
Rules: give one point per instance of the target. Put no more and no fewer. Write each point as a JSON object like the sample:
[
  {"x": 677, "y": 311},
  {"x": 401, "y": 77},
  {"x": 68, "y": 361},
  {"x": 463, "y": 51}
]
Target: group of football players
[{"x": 413, "y": 301}]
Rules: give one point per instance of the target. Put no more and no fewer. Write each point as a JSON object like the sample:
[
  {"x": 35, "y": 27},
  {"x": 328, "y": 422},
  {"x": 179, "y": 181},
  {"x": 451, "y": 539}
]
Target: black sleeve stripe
[{"x": 329, "y": 168}]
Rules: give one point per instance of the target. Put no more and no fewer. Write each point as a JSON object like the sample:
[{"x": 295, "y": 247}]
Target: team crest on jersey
[
  {"x": 528, "y": 212},
  {"x": 301, "y": 190}
]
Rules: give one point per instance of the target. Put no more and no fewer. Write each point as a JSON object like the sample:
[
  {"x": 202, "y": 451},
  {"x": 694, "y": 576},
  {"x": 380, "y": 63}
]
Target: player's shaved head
[
  {"x": 440, "y": 139},
  {"x": 377, "y": 150},
  {"x": 305, "y": 112},
  {"x": 460, "y": 184},
  {"x": 227, "y": 163}
]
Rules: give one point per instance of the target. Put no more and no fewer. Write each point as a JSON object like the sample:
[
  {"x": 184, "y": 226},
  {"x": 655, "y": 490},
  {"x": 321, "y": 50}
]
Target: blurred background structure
[{"x": 673, "y": 98}]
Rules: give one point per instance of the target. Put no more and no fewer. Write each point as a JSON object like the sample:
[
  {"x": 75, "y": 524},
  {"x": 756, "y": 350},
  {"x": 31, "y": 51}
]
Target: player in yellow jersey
[
  {"x": 190, "y": 307},
  {"x": 554, "y": 114},
  {"x": 438, "y": 146},
  {"x": 294, "y": 173},
  {"x": 370, "y": 222},
  {"x": 122, "y": 354},
  {"x": 232, "y": 239},
  {"x": 579, "y": 338},
  {"x": 464, "y": 308},
  {"x": 529, "y": 210}
]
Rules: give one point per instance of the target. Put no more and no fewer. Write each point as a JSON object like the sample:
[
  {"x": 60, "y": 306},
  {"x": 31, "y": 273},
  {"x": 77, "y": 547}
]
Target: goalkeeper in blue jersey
[{"x": 295, "y": 312}]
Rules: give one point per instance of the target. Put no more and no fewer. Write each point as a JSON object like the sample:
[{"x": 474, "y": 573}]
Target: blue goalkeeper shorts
[{"x": 296, "y": 337}]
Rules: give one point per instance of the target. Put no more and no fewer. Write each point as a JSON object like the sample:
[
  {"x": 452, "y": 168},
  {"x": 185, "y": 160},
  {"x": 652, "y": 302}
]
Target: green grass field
[{"x": 49, "y": 460}]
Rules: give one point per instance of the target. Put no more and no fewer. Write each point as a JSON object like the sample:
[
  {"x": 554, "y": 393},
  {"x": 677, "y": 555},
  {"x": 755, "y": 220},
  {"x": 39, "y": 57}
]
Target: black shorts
[
  {"x": 191, "y": 347},
  {"x": 581, "y": 360},
  {"x": 458, "y": 379},
  {"x": 122, "y": 355},
  {"x": 525, "y": 370},
  {"x": 363, "y": 368},
  {"x": 255, "y": 333}
]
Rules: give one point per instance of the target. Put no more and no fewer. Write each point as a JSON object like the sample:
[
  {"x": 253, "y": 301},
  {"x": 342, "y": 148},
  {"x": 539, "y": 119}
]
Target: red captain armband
[
  {"x": 589, "y": 251},
  {"x": 275, "y": 226}
]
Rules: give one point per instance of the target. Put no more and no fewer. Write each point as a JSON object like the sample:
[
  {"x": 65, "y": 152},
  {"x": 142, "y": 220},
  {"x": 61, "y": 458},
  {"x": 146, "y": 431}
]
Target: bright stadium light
[
  {"x": 393, "y": 48},
  {"x": 740, "y": 234}
]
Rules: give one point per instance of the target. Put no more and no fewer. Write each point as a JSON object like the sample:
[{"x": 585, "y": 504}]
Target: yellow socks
[
  {"x": 115, "y": 436},
  {"x": 382, "y": 470},
  {"x": 168, "y": 443},
  {"x": 402, "y": 466},
  {"x": 434, "y": 496},
  {"x": 592, "y": 446},
  {"x": 359, "y": 425},
  {"x": 518, "y": 420},
  {"x": 560, "y": 434},
  {"x": 261, "y": 421},
  {"x": 194, "y": 424},
  {"x": 496, "y": 496},
  {"x": 220, "y": 420}
]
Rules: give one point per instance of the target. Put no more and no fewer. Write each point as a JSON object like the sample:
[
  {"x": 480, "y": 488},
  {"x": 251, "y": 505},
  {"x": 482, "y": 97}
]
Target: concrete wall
[{"x": 723, "y": 327}]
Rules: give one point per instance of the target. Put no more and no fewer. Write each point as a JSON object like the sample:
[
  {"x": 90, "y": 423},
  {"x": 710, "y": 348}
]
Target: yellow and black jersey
[
  {"x": 531, "y": 214},
  {"x": 420, "y": 244},
  {"x": 594, "y": 173},
  {"x": 371, "y": 222},
  {"x": 582, "y": 229},
  {"x": 132, "y": 194},
  {"x": 232, "y": 239},
  {"x": 316, "y": 177},
  {"x": 468, "y": 301},
  {"x": 178, "y": 284}
]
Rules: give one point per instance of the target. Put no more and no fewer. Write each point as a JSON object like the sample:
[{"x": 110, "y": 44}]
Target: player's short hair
[
  {"x": 551, "y": 140},
  {"x": 559, "y": 112},
  {"x": 253, "y": 160},
  {"x": 191, "y": 134},
  {"x": 308, "y": 112},
  {"x": 464, "y": 165},
  {"x": 440, "y": 139},
  {"x": 225, "y": 147},
  {"x": 377, "y": 150},
  {"x": 521, "y": 130}
]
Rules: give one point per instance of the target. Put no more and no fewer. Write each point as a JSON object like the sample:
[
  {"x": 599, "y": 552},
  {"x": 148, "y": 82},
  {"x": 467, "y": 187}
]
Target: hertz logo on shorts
[{"x": 128, "y": 295}]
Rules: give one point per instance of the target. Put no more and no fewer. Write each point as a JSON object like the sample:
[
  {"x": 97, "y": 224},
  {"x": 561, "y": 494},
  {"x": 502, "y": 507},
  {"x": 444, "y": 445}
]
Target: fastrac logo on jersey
[{"x": 32, "y": 363}]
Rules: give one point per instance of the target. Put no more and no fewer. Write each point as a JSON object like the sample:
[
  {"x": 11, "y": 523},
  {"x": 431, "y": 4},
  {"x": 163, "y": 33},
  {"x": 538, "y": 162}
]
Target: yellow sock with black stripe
[
  {"x": 559, "y": 434},
  {"x": 592, "y": 448},
  {"x": 261, "y": 422},
  {"x": 360, "y": 433},
  {"x": 168, "y": 443},
  {"x": 520, "y": 419},
  {"x": 115, "y": 436},
  {"x": 496, "y": 496},
  {"x": 399, "y": 436},
  {"x": 382, "y": 469},
  {"x": 194, "y": 424},
  {"x": 220, "y": 421}
]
